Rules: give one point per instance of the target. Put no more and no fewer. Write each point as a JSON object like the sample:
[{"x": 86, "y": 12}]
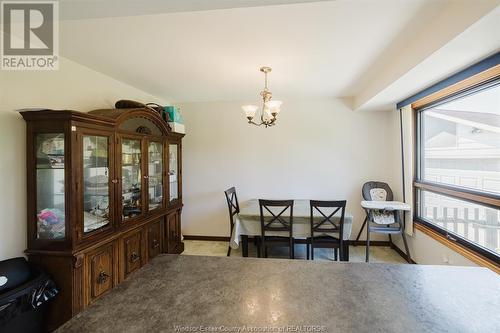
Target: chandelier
[{"x": 269, "y": 110}]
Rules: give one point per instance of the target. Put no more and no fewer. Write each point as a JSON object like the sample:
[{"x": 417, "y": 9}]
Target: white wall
[
  {"x": 72, "y": 87},
  {"x": 319, "y": 149}
]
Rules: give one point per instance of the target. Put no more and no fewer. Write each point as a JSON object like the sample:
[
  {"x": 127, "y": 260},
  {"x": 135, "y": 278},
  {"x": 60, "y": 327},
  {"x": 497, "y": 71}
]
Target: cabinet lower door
[
  {"x": 174, "y": 232},
  {"x": 101, "y": 271},
  {"x": 154, "y": 239},
  {"x": 133, "y": 256}
]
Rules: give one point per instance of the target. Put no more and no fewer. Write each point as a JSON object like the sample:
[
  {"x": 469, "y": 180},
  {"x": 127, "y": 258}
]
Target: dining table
[{"x": 247, "y": 224}]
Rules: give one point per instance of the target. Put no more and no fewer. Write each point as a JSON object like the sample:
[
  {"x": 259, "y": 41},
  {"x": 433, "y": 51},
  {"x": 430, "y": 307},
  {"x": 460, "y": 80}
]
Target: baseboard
[
  {"x": 351, "y": 243},
  {"x": 207, "y": 238},
  {"x": 302, "y": 241},
  {"x": 298, "y": 241},
  {"x": 402, "y": 254},
  {"x": 372, "y": 243}
]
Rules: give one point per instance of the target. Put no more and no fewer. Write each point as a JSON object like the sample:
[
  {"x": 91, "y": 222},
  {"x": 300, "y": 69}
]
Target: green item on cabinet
[
  {"x": 170, "y": 111},
  {"x": 173, "y": 114}
]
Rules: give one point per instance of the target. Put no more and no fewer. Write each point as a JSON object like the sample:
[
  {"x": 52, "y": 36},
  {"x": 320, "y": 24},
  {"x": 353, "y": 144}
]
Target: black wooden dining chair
[
  {"x": 234, "y": 209},
  {"x": 325, "y": 232},
  {"x": 276, "y": 222}
]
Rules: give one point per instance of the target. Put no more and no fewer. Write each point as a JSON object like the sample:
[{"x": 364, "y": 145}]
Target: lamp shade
[
  {"x": 250, "y": 110},
  {"x": 274, "y": 106}
]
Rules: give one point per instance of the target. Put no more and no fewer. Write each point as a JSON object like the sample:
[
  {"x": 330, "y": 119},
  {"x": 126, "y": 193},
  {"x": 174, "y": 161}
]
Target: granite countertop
[{"x": 219, "y": 294}]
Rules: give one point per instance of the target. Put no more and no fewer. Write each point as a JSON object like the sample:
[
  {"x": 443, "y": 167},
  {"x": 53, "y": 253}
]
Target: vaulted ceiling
[{"x": 371, "y": 53}]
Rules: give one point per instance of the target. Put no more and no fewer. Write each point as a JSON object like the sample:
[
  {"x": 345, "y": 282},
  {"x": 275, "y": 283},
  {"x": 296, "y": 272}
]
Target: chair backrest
[
  {"x": 377, "y": 191},
  {"x": 232, "y": 204},
  {"x": 276, "y": 220},
  {"x": 326, "y": 223}
]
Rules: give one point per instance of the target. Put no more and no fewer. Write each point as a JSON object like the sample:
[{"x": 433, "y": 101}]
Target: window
[{"x": 458, "y": 168}]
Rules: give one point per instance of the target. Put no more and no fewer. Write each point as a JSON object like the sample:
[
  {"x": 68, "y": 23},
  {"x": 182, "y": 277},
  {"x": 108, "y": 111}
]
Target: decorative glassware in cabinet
[
  {"x": 173, "y": 173},
  {"x": 95, "y": 182},
  {"x": 50, "y": 186},
  {"x": 131, "y": 178},
  {"x": 155, "y": 173}
]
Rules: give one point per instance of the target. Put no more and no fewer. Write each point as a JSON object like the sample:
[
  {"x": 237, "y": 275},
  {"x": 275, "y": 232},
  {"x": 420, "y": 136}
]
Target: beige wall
[
  {"x": 72, "y": 87},
  {"x": 319, "y": 149}
]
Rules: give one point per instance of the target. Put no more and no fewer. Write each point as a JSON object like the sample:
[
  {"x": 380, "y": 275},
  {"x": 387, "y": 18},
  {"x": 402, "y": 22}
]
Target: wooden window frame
[
  {"x": 457, "y": 243},
  {"x": 458, "y": 247}
]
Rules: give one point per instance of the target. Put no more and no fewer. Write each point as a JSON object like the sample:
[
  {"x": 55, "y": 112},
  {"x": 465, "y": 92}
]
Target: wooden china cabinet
[{"x": 104, "y": 197}]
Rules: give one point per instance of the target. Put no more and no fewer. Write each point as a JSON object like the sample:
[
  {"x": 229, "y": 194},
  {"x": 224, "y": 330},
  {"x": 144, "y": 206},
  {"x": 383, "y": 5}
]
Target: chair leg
[
  {"x": 307, "y": 249},
  {"x": 292, "y": 248},
  {"x": 390, "y": 242},
  {"x": 230, "y": 235},
  {"x": 312, "y": 249},
  {"x": 367, "y": 244},
  {"x": 361, "y": 230},
  {"x": 258, "y": 245},
  {"x": 335, "y": 254},
  {"x": 244, "y": 245},
  {"x": 344, "y": 251},
  {"x": 408, "y": 257}
]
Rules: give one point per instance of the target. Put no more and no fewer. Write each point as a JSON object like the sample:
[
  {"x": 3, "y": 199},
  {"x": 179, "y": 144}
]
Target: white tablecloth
[{"x": 247, "y": 222}]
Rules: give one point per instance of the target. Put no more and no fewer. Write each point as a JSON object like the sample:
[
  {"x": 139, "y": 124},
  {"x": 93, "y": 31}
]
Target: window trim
[
  {"x": 483, "y": 198},
  {"x": 457, "y": 247},
  {"x": 492, "y": 200},
  {"x": 471, "y": 82},
  {"x": 482, "y": 66}
]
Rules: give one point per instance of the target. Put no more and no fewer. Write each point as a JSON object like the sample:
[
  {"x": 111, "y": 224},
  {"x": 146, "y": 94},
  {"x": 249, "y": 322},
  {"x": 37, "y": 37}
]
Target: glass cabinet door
[
  {"x": 131, "y": 178},
  {"x": 50, "y": 210},
  {"x": 173, "y": 173},
  {"x": 155, "y": 175},
  {"x": 96, "y": 213}
]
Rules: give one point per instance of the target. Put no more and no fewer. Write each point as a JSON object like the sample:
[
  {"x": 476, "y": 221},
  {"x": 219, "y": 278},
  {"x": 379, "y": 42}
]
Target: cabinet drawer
[
  {"x": 133, "y": 256},
  {"x": 101, "y": 271},
  {"x": 154, "y": 239}
]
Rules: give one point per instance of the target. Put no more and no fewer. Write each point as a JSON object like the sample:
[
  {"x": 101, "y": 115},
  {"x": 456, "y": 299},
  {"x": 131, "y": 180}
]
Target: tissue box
[{"x": 177, "y": 127}]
